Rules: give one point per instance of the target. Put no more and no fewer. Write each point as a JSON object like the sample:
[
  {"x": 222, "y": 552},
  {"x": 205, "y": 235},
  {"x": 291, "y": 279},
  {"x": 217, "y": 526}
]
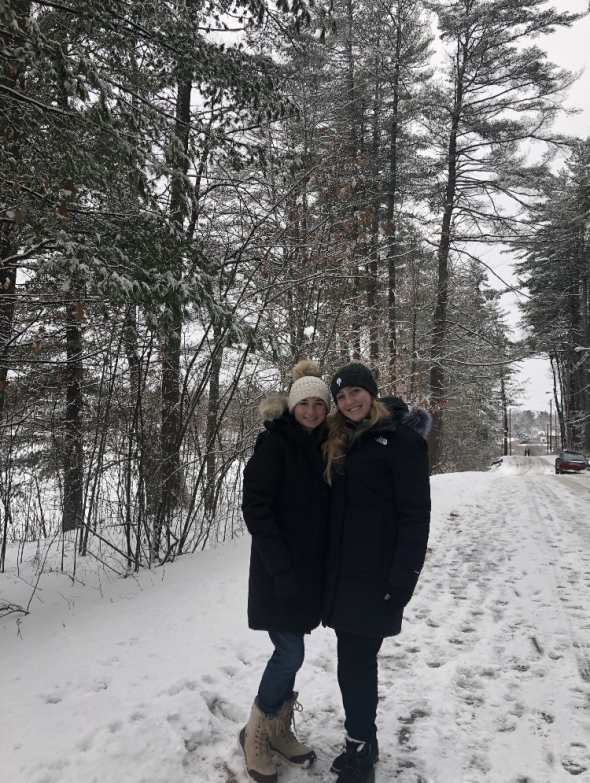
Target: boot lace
[
  {"x": 284, "y": 728},
  {"x": 262, "y": 740}
]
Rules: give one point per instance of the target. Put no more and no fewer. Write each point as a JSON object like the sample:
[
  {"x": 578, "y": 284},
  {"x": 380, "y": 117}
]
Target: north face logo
[
  {"x": 382, "y": 441},
  {"x": 338, "y": 382}
]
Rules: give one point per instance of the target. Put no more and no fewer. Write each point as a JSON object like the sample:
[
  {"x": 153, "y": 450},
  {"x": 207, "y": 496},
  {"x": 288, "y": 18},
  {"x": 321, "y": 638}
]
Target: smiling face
[
  {"x": 310, "y": 412},
  {"x": 354, "y": 403}
]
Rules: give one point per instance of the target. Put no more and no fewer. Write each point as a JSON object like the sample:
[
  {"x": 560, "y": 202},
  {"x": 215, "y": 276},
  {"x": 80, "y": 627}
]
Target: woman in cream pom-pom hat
[{"x": 285, "y": 510}]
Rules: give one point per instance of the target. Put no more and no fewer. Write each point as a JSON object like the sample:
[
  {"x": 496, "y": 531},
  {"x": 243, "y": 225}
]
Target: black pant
[{"x": 357, "y": 677}]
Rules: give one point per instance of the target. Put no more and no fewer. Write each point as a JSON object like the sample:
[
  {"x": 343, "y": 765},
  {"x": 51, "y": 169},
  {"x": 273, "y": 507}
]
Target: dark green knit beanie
[{"x": 354, "y": 374}]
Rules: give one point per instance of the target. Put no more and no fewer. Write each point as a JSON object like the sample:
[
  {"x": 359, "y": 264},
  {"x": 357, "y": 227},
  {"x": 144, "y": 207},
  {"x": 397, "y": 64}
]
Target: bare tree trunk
[
  {"x": 212, "y": 426},
  {"x": 134, "y": 435},
  {"x": 558, "y": 408},
  {"x": 356, "y": 315},
  {"x": 11, "y": 131},
  {"x": 390, "y": 218},
  {"x": 585, "y": 368},
  {"x": 351, "y": 92},
  {"x": 504, "y": 416},
  {"x": 170, "y": 387},
  {"x": 372, "y": 266},
  {"x": 437, "y": 376},
  {"x": 353, "y": 155},
  {"x": 73, "y": 505},
  {"x": 7, "y": 302}
]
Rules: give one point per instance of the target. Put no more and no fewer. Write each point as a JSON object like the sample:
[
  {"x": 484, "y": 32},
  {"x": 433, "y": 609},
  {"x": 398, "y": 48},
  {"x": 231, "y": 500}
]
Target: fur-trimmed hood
[
  {"x": 273, "y": 407},
  {"x": 417, "y": 419}
]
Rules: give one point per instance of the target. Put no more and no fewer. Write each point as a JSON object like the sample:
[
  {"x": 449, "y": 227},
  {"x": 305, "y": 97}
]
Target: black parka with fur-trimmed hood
[
  {"x": 285, "y": 507},
  {"x": 379, "y": 524}
]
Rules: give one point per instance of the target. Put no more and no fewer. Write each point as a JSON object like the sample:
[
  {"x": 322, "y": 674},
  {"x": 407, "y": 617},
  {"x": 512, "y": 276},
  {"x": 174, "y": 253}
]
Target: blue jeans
[{"x": 278, "y": 680}]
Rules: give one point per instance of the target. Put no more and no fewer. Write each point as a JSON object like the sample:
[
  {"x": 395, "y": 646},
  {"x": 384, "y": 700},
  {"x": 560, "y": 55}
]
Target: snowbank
[{"x": 522, "y": 466}]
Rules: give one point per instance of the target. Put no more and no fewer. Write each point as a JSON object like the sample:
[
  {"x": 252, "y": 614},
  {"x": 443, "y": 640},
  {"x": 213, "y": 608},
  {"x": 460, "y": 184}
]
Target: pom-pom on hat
[
  {"x": 354, "y": 374},
  {"x": 307, "y": 383}
]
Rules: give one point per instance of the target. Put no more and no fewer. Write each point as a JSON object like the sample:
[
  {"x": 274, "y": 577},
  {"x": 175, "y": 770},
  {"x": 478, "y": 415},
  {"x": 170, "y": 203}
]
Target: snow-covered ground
[{"x": 148, "y": 679}]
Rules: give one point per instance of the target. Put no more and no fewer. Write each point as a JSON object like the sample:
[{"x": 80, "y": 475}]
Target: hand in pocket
[
  {"x": 396, "y": 598},
  {"x": 286, "y": 585}
]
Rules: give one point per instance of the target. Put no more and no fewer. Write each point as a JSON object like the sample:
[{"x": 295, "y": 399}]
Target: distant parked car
[{"x": 570, "y": 462}]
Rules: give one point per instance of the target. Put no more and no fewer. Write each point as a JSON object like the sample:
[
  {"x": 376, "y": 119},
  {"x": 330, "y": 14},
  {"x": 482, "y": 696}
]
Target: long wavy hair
[{"x": 341, "y": 434}]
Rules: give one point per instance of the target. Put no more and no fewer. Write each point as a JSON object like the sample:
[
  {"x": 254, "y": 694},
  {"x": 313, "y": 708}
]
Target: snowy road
[{"x": 149, "y": 681}]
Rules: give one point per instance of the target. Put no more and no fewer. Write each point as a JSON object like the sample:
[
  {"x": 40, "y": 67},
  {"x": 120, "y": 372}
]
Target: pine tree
[
  {"x": 555, "y": 268},
  {"x": 499, "y": 92}
]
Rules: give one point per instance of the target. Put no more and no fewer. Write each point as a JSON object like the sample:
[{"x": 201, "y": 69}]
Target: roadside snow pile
[
  {"x": 521, "y": 466},
  {"x": 149, "y": 679}
]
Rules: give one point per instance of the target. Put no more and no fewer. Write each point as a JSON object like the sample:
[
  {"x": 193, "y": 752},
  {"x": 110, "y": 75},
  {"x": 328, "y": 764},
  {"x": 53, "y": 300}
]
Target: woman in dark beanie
[
  {"x": 285, "y": 505},
  {"x": 377, "y": 464}
]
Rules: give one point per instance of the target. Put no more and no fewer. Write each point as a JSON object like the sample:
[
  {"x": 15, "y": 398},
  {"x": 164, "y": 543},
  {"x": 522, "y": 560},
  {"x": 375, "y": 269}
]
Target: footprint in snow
[
  {"x": 404, "y": 733},
  {"x": 506, "y": 724},
  {"x": 230, "y": 671},
  {"x": 222, "y": 708},
  {"x": 52, "y": 698},
  {"x": 182, "y": 685},
  {"x": 573, "y": 767},
  {"x": 100, "y": 684}
]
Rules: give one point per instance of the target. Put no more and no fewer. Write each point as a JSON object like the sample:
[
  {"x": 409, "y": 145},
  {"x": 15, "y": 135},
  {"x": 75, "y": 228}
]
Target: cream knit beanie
[{"x": 307, "y": 383}]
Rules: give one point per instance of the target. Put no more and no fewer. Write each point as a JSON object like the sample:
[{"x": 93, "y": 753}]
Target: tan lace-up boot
[
  {"x": 253, "y": 741},
  {"x": 283, "y": 740}
]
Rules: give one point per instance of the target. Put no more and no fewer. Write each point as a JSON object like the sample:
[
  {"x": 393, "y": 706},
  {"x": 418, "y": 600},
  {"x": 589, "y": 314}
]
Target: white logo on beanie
[
  {"x": 382, "y": 441},
  {"x": 339, "y": 382}
]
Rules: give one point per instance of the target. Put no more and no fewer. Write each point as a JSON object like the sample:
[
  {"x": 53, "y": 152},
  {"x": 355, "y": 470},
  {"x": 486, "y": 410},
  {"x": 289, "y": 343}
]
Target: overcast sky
[{"x": 570, "y": 49}]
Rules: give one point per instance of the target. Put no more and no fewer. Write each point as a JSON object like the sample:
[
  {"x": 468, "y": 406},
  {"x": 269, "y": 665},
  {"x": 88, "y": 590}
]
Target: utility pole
[{"x": 504, "y": 417}]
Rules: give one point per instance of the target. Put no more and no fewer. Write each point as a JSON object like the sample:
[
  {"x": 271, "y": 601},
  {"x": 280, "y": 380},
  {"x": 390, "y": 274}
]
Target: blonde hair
[{"x": 341, "y": 434}]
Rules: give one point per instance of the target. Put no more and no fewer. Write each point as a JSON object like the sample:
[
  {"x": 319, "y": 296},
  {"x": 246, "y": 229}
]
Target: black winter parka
[
  {"x": 379, "y": 524},
  {"x": 285, "y": 507}
]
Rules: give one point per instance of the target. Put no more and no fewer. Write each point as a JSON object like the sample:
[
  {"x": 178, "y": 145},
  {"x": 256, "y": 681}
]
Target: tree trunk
[
  {"x": 353, "y": 115},
  {"x": 504, "y": 416},
  {"x": 437, "y": 376},
  {"x": 586, "y": 362},
  {"x": 390, "y": 221},
  {"x": 7, "y": 302},
  {"x": 353, "y": 155},
  {"x": 170, "y": 387},
  {"x": 73, "y": 515},
  {"x": 372, "y": 266},
  {"x": 134, "y": 435},
  {"x": 212, "y": 427},
  {"x": 11, "y": 130},
  {"x": 558, "y": 408}
]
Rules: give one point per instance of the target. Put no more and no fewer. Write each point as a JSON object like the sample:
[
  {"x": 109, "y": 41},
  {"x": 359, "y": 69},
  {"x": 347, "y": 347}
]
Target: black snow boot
[
  {"x": 339, "y": 761},
  {"x": 355, "y": 764}
]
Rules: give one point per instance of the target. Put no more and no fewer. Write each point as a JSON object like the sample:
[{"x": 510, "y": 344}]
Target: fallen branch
[{"x": 6, "y": 609}]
